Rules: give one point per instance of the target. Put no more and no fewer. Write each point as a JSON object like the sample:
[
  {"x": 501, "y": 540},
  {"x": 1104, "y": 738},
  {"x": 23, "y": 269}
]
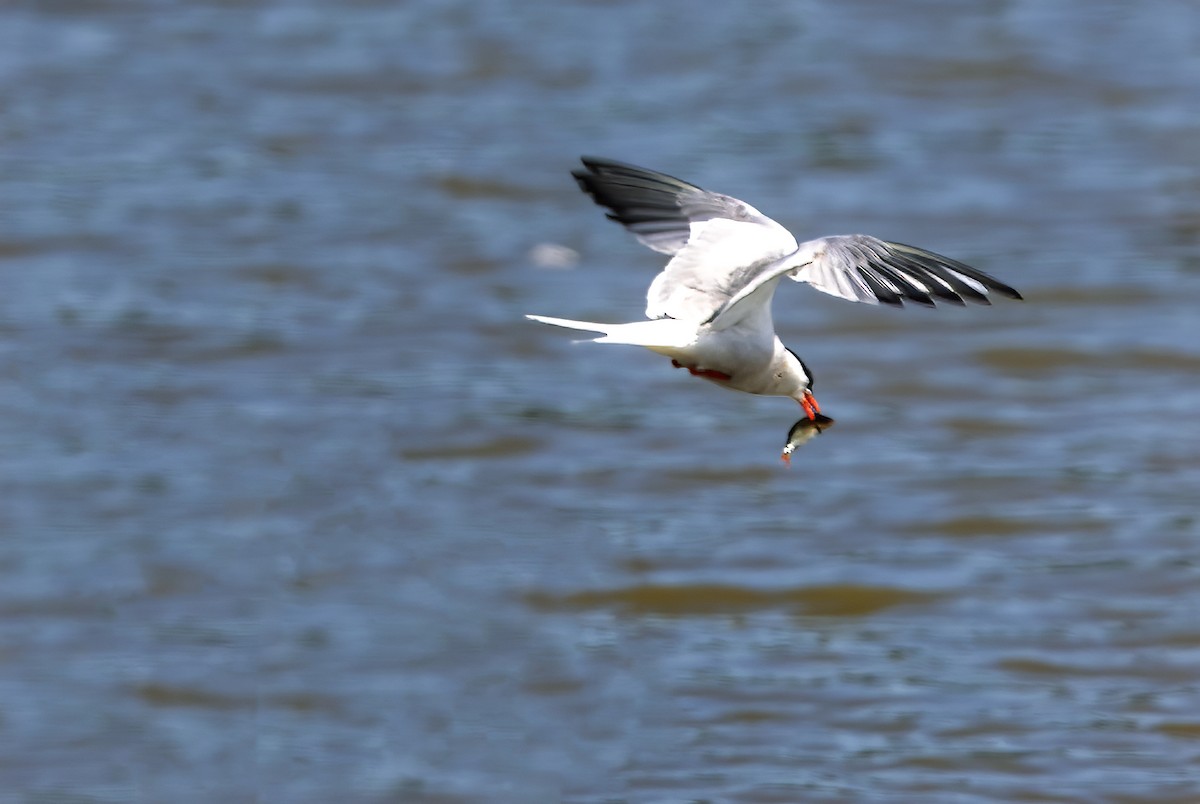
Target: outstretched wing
[
  {"x": 861, "y": 268},
  {"x": 720, "y": 244},
  {"x": 866, "y": 269},
  {"x": 728, "y": 257}
]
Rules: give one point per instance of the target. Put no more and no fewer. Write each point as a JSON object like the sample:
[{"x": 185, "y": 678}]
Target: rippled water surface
[{"x": 297, "y": 508}]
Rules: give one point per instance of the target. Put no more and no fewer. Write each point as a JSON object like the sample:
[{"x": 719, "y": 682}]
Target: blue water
[{"x": 295, "y": 506}]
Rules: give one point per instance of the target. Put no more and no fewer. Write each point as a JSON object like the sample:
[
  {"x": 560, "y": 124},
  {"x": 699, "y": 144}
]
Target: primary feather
[{"x": 726, "y": 253}]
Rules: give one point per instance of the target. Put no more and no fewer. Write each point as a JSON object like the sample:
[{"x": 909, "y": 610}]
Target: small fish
[{"x": 801, "y": 432}]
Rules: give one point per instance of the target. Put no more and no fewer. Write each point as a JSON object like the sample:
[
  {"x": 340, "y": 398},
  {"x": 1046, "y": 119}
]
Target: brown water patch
[
  {"x": 1184, "y": 730},
  {"x": 166, "y": 396},
  {"x": 1034, "y": 362},
  {"x": 166, "y": 695},
  {"x": 1006, "y": 73},
  {"x": 1038, "y": 667},
  {"x": 1106, "y": 295},
  {"x": 863, "y": 325},
  {"x": 309, "y": 581},
  {"x": 973, "y": 427},
  {"x": 279, "y": 275},
  {"x": 164, "y": 580},
  {"x": 554, "y": 686},
  {"x": 415, "y": 791},
  {"x": 845, "y": 600},
  {"x": 965, "y": 526},
  {"x": 753, "y": 716},
  {"x": 1153, "y": 360},
  {"x": 135, "y": 336},
  {"x": 255, "y": 345},
  {"x": 842, "y": 145},
  {"x": 1002, "y": 761},
  {"x": 638, "y": 565},
  {"x": 1039, "y": 362},
  {"x": 478, "y": 187},
  {"x": 386, "y": 84},
  {"x": 1154, "y": 797},
  {"x": 163, "y": 695},
  {"x": 66, "y": 608},
  {"x": 501, "y": 447},
  {"x": 918, "y": 388},
  {"x": 680, "y": 479},
  {"x": 476, "y": 265},
  {"x": 44, "y": 245},
  {"x": 1034, "y": 796},
  {"x": 137, "y": 327},
  {"x": 985, "y": 728}
]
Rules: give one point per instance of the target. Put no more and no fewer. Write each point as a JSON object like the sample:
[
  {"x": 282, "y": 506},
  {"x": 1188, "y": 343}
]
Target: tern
[{"x": 709, "y": 310}]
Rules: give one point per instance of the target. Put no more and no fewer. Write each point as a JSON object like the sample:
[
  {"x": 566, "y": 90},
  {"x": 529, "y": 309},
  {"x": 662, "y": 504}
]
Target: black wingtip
[
  {"x": 602, "y": 169},
  {"x": 945, "y": 268},
  {"x": 595, "y": 163},
  {"x": 598, "y": 165},
  {"x": 882, "y": 292}
]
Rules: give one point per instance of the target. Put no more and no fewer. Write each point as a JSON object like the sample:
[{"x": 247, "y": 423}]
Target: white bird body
[
  {"x": 748, "y": 352},
  {"x": 709, "y": 309}
]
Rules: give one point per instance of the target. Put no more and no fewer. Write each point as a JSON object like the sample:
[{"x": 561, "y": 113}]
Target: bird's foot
[
  {"x": 711, "y": 374},
  {"x": 809, "y": 403}
]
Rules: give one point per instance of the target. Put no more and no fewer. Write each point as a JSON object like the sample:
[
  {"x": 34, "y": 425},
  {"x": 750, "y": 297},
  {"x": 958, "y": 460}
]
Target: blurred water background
[{"x": 295, "y": 506}]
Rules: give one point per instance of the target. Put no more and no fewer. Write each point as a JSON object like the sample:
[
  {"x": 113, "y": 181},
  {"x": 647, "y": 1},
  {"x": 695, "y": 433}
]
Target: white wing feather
[
  {"x": 721, "y": 257},
  {"x": 729, "y": 257}
]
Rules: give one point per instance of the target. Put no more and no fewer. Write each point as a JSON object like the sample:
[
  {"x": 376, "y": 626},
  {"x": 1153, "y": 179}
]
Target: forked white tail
[{"x": 663, "y": 333}]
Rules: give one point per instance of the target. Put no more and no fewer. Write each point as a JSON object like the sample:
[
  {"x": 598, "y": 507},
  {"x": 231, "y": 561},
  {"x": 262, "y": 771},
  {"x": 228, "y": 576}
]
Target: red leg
[{"x": 711, "y": 374}]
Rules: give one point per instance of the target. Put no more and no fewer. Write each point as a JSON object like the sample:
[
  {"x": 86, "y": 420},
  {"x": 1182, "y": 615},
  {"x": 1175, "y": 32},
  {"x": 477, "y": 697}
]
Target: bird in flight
[{"x": 709, "y": 310}]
